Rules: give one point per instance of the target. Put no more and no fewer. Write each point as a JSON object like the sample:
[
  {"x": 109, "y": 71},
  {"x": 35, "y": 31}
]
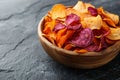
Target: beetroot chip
[
  {"x": 92, "y": 47},
  {"x": 83, "y": 39},
  {"x": 74, "y": 27},
  {"x": 58, "y": 27},
  {"x": 93, "y": 11},
  {"x": 72, "y": 19}
]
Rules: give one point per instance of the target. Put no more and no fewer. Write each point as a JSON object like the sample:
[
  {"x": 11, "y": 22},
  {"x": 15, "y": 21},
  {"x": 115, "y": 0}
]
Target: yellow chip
[
  {"x": 93, "y": 22},
  {"x": 115, "y": 34},
  {"x": 82, "y": 7},
  {"x": 114, "y": 18},
  {"x": 58, "y": 11}
]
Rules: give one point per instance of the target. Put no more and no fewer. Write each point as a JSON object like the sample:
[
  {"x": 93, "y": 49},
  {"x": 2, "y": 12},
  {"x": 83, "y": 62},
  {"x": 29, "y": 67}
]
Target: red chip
[
  {"x": 74, "y": 27},
  {"x": 92, "y": 47},
  {"x": 72, "y": 19},
  {"x": 58, "y": 27},
  {"x": 93, "y": 11},
  {"x": 83, "y": 39}
]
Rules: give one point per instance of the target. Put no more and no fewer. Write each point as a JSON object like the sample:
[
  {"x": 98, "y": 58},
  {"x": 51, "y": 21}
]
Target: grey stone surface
[{"x": 21, "y": 55}]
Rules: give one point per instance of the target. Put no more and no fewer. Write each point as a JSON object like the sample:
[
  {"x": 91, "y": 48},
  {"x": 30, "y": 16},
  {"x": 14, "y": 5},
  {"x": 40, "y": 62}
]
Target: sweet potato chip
[
  {"x": 110, "y": 41},
  {"x": 80, "y": 50},
  {"x": 58, "y": 11},
  {"x": 105, "y": 26},
  {"x": 64, "y": 38},
  {"x": 115, "y": 18},
  {"x": 51, "y": 37},
  {"x": 68, "y": 46},
  {"x": 60, "y": 33},
  {"x": 115, "y": 34},
  {"x": 109, "y": 21},
  {"x": 49, "y": 26},
  {"x": 112, "y": 18},
  {"x": 93, "y": 22}
]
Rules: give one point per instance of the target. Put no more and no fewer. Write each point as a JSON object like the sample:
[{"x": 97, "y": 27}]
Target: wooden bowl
[{"x": 72, "y": 59}]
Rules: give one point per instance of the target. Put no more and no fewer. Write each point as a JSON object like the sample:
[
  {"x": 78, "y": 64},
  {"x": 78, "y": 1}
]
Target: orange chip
[
  {"x": 58, "y": 11},
  {"x": 80, "y": 50},
  {"x": 108, "y": 15},
  {"x": 51, "y": 37},
  {"x": 110, "y": 22},
  {"x": 115, "y": 34},
  {"x": 68, "y": 46},
  {"x": 49, "y": 26},
  {"x": 93, "y": 22},
  {"x": 114, "y": 17},
  {"x": 60, "y": 33},
  {"x": 105, "y": 26},
  {"x": 110, "y": 41},
  {"x": 63, "y": 38}
]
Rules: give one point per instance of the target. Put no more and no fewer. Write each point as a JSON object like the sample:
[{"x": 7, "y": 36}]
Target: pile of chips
[{"x": 81, "y": 28}]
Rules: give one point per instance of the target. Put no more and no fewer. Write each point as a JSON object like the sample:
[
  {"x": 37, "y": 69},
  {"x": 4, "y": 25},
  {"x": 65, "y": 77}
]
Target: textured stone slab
[{"x": 21, "y": 55}]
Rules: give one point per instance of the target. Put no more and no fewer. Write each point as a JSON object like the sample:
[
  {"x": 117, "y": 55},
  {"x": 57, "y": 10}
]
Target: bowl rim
[{"x": 68, "y": 52}]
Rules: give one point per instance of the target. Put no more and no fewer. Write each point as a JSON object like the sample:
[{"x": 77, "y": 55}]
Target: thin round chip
[{"x": 83, "y": 39}]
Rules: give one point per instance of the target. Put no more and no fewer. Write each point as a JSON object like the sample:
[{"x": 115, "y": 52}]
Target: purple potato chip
[
  {"x": 83, "y": 39},
  {"x": 93, "y": 47},
  {"x": 72, "y": 19},
  {"x": 93, "y": 11},
  {"x": 74, "y": 27},
  {"x": 58, "y": 27}
]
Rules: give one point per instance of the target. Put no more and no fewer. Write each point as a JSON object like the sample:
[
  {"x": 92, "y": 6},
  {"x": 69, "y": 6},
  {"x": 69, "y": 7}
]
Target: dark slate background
[{"x": 21, "y": 55}]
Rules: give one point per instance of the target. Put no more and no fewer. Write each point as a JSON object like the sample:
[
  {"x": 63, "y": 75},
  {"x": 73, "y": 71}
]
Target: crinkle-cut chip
[
  {"x": 74, "y": 27},
  {"x": 114, "y": 34},
  {"x": 114, "y": 17},
  {"x": 72, "y": 19},
  {"x": 58, "y": 11},
  {"x": 82, "y": 7},
  {"x": 49, "y": 26},
  {"x": 109, "y": 21},
  {"x": 58, "y": 27},
  {"x": 83, "y": 39},
  {"x": 93, "y": 22}
]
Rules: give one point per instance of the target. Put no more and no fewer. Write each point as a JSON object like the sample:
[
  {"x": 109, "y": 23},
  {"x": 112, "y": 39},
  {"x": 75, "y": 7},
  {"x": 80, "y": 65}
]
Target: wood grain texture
[{"x": 72, "y": 59}]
